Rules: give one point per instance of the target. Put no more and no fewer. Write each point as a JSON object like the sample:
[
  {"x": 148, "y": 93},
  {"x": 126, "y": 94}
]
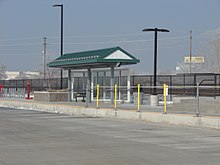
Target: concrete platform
[
  {"x": 207, "y": 105},
  {"x": 149, "y": 114}
]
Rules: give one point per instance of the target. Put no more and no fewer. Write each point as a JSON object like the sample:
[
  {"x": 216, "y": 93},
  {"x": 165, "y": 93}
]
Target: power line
[
  {"x": 102, "y": 36},
  {"x": 19, "y": 54},
  {"x": 161, "y": 47},
  {"x": 25, "y": 44},
  {"x": 101, "y": 42},
  {"x": 76, "y": 36},
  {"x": 124, "y": 41},
  {"x": 17, "y": 39}
]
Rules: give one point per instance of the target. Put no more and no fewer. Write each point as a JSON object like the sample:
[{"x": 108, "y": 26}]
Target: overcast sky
[{"x": 97, "y": 24}]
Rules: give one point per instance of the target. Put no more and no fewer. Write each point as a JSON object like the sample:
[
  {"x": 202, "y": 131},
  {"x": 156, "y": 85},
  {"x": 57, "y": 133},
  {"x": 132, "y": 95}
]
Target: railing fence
[{"x": 182, "y": 80}]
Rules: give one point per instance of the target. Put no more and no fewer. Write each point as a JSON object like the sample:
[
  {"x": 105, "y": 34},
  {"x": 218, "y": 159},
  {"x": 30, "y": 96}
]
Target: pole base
[
  {"x": 29, "y": 98},
  {"x": 154, "y": 100}
]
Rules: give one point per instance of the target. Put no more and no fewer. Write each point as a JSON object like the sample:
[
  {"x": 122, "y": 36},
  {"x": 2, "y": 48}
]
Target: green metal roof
[{"x": 94, "y": 59}]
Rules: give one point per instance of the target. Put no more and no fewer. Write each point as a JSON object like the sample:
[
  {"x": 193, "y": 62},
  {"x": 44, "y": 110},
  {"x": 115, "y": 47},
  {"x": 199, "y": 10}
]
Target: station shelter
[{"x": 90, "y": 60}]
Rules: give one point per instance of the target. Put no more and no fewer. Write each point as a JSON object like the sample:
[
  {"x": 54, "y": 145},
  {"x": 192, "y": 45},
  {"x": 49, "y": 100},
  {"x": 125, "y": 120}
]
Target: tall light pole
[
  {"x": 45, "y": 54},
  {"x": 190, "y": 53},
  {"x": 61, "y": 42},
  {"x": 155, "y": 30}
]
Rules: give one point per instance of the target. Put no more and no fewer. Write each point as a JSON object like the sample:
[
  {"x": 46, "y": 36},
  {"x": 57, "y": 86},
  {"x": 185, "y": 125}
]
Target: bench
[{"x": 80, "y": 94}]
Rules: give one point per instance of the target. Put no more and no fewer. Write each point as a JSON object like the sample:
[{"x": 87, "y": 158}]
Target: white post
[
  {"x": 104, "y": 88},
  {"x": 92, "y": 87},
  {"x": 72, "y": 87},
  {"x": 84, "y": 80},
  {"x": 88, "y": 87},
  {"x": 128, "y": 88},
  {"x": 119, "y": 86},
  {"x": 112, "y": 85},
  {"x": 197, "y": 96},
  {"x": 69, "y": 85}
]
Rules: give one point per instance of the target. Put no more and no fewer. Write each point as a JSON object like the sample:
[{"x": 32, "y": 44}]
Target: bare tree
[
  {"x": 52, "y": 73},
  {"x": 215, "y": 52},
  {"x": 211, "y": 51}
]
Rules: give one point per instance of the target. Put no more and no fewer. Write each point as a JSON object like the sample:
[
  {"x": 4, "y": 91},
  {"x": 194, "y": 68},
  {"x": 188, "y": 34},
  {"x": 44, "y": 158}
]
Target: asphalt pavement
[{"x": 30, "y": 137}]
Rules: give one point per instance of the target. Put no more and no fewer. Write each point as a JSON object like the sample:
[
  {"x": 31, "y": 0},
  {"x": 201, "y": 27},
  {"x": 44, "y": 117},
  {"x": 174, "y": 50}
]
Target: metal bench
[{"x": 80, "y": 94}]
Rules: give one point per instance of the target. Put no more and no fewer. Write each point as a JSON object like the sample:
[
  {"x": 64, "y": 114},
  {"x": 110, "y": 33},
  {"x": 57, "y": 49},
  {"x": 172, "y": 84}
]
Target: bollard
[
  {"x": 115, "y": 100},
  {"x": 165, "y": 97},
  {"x": 197, "y": 96},
  {"x": 138, "y": 97},
  {"x": 97, "y": 96},
  {"x": 28, "y": 91}
]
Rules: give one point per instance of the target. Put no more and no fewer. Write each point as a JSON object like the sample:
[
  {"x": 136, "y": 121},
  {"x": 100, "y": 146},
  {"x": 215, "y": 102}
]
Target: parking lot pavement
[{"x": 30, "y": 137}]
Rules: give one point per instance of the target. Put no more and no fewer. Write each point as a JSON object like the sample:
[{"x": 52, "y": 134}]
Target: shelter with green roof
[{"x": 102, "y": 58}]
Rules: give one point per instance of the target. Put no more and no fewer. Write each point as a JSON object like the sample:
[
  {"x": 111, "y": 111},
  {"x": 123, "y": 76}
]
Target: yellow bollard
[
  {"x": 138, "y": 97},
  {"x": 165, "y": 97},
  {"x": 97, "y": 96},
  {"x": 115, "y": 101}
]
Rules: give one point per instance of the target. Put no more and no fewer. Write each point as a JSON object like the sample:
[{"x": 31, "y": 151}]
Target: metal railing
[
  {"x": 204, "y": 102},
  {"x": 12, "y": 92},
  {"x": 183, "y": 80},
  {"x": 198, "y": 105}
]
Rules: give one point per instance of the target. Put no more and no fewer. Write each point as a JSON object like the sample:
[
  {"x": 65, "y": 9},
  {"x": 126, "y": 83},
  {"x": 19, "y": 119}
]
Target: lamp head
[
  {"x": 163, "y": 30},
  {"x": 58, "y": 5},
  {"x": 149, "y": 29},
  {"x": 155, "y": 29}
]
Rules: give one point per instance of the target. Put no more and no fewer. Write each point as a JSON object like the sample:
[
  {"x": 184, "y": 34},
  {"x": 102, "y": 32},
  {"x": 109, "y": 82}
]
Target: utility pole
[
  {"x": 44, "y": 54},
  {"x": 190, "y": 53}
]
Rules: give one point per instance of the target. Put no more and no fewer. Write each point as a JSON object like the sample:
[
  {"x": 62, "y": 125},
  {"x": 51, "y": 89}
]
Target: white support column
[
  {"x": 72, "y": 87},
  {"x": 97, "y": 77},
  {"x": 84, "y": 80},
  {"x": 97, "y": 82},
  {"x": 88, "y": 87},
  {"x": 104, "y": 84},
  {"x": 69, "y": 86},
  {"x": 92, "y": 87},
  {"x": 128, "y": 88},
  {"x": 119, "y": 85},
  {"x": 112, "y": 85}
]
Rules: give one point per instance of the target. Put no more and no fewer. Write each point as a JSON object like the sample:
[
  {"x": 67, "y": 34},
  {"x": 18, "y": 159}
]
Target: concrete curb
[{"x": 175, "y": 119}]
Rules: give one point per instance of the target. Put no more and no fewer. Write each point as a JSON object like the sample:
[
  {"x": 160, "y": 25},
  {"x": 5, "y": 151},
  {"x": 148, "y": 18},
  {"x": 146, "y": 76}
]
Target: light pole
[
  {"x": 44, "y": 54},
  {"x": 61, "y": 42},
  {"x": 155, "y": 30}
]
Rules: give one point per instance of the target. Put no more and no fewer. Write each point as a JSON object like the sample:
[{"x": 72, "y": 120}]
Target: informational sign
[{"x": 197, "y": 60}]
